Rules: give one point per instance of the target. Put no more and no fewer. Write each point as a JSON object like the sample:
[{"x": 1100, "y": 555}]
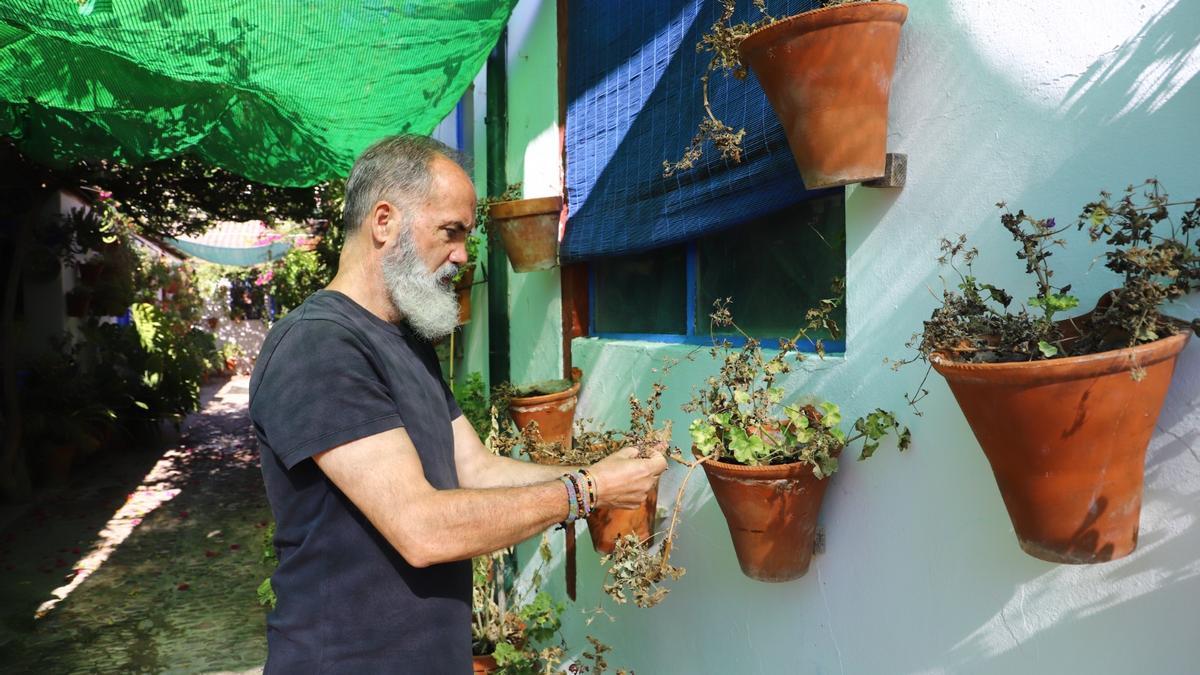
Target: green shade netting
[{"x": 286, "y": 92}]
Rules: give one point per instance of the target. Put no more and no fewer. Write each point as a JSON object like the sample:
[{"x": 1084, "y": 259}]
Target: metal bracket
[{"x": 895, "y": 172}]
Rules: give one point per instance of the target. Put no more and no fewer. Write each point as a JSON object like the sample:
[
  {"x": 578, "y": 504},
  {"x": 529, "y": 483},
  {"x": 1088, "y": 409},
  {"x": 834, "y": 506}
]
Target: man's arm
[
  {"x": 479, "y": 468},
  {"x": 382, "y": 476}
]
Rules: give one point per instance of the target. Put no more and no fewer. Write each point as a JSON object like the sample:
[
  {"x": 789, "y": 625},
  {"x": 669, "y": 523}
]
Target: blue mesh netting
[{"x": 634, "y": 100}]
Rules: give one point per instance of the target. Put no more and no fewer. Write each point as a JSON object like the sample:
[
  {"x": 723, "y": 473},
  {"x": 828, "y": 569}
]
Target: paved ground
[{"x": 147, "y": 562}]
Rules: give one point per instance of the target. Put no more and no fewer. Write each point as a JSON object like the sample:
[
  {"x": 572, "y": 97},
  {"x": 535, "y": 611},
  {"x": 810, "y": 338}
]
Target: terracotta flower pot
[
  {"x": 483, "y": 665},
  {"x": 529, "y": 231},
  {"x": 828, "y": 74},
  {"x": 462, "y": 289},
  {"x": 772, "y": 515},
  {"x": 554, "y": 413},
  {"x": 1067, "y": 440},
  {"x": 606, "y": 525}
]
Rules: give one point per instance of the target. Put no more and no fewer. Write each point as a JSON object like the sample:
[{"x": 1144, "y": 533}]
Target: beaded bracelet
[
  {"x": 572, "y": 502},
  {"x": 591, "y": 484},
  {"x": 584, "y": 498}
]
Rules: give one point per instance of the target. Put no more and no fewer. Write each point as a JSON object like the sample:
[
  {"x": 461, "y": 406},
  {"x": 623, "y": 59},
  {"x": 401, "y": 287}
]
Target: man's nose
[{"x": 458, "y": 255}]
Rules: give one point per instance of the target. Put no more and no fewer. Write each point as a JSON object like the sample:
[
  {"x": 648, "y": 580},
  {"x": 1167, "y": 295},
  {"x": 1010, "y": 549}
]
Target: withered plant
[
  {"x": 1156, "y": 257},
  {"x": 722, "y": 40}
]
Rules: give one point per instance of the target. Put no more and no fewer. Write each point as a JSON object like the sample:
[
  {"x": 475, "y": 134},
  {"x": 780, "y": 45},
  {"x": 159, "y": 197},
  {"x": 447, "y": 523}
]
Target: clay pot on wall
[
  {"x": 553, "y": 412},
  {"x": 828, "y": 75},
  {"x": 1066, "y": 439},
  {"x": 462, "y": 289},
  {"x": 772, "y": 515},
  {"x": 484, "y": 665},
  {"x": 606, "y": 525},
  {"x": 528, "y": 231}
]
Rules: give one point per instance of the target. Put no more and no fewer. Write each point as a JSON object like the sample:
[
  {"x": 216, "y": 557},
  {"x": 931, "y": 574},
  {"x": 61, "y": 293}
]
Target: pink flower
[
  {"x": 264, "y": 278},
  {"x": 105, "y": 194}
]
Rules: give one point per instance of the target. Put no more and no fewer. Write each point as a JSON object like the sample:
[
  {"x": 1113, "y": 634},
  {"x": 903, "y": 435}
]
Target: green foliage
[
  {"x": 519, "y": 634},
  {"x": 294, "y": 277},
  {"x": 742, "y": 417},
  {"x": 266, "y": 594},
  {"x": 472, "y": 399}
]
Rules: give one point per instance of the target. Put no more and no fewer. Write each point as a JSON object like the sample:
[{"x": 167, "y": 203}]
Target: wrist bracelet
[
  {"x": 585, "y": 499},
  {"x": 572, "y": 502},
  {"x": 591, "y": 485}
]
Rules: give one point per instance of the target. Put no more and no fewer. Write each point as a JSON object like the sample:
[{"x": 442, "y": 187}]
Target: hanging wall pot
[
  {"x": 528, "y": 230},
  {"x": 1066, "y": 439},
  {"x": 828, "y": 74}
]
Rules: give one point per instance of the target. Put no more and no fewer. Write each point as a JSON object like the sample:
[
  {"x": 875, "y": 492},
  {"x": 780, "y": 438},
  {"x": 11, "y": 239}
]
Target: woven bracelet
[{"x": 572, "y": 500}]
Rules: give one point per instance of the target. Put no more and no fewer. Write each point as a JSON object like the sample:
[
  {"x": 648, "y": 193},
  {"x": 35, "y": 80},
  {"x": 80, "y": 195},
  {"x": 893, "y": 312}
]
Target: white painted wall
[{"x": 1040, "y": 104}]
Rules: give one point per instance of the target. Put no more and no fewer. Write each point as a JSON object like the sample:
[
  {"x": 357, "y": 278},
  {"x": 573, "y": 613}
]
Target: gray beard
[{"x": 428, "y": 305}]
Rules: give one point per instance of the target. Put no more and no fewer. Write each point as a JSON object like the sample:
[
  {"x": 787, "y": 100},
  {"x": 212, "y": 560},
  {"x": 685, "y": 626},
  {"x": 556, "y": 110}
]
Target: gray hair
[{"x": 393, "y": 169}]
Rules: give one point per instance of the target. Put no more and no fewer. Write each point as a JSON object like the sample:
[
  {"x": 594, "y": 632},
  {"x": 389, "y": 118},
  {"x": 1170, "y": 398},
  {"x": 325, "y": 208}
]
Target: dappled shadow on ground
[{"x": 148, "y": 572}]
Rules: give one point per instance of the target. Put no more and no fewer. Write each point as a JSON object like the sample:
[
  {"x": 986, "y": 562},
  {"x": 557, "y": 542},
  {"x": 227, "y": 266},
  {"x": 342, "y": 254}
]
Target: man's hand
[{"x": 623, "y": 479}]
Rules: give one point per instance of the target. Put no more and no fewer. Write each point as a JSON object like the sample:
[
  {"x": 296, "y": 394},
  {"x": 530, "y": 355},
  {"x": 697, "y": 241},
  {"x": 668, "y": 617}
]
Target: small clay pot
[
  {"x": 771, "y": 512},
  {"x": 528, "y": 230},
  {"x": 554, "y": 413},
  {"x": 606, "y": 525},
  {"x": 1066, "y": 439},
  {"x": 828, "y": 75},
  {"x": 483, "y": 665},
  {"x": 462, "y": 289}
]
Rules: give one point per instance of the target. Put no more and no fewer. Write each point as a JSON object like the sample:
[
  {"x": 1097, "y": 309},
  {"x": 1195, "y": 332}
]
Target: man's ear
[{"x": 382, "y": 221}]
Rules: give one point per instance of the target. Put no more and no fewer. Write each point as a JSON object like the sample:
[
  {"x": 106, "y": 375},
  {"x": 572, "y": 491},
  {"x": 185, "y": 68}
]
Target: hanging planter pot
[
  {"x": 551, "y": 405},
  {"x": 1066, "y": 439},
  {"x": 484, "y": 665},
  {"x": 606, "y": 525},
  {"x": 528, "y": 231},
  {"x": 828, "y": 74},
  {"x": 771, "y": 512},
  {"x": 462, "y": 289}
]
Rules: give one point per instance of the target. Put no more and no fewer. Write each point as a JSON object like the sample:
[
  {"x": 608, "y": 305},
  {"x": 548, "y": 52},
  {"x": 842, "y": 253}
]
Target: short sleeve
[{"x": 319, "y": 389}]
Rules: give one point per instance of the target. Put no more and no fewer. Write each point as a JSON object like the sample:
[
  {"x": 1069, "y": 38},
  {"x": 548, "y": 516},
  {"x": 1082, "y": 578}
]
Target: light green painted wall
[
  {"x": 535, "y": 305},
  {"x": 1038, "y": 105}
]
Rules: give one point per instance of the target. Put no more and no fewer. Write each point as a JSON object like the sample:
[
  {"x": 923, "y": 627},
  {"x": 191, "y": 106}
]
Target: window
[{"x": 774, "y": 268}]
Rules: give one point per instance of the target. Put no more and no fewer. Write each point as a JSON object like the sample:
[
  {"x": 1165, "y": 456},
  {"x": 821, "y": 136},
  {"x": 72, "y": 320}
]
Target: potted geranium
[
  {"x": 511, "y": 634},
  {"x": 588, "y": 446},
  {"x": 545, "y": 408},
  {"x": 827, "y": 74},
  {"x": 768, "y": 462},
  {"x": 1065, "y": 407}
]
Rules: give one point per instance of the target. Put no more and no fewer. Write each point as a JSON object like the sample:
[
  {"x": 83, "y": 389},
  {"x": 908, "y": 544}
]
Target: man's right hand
[{"x": 623, "y": 479}]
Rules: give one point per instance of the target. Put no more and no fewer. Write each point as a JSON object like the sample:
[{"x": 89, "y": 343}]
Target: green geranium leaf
[
  {"x": 775, "y": 394},
  {"x": 746, "y": 449},
  {"x": 741, "y": 397},
  {"x": 704, "y": 436},
  {"x": 1048, "y": 350},
  {"x": 831, "y": 414}
]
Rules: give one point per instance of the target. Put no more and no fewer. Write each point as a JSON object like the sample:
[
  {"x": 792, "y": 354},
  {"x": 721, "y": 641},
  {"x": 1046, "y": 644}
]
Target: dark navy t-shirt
[{"x": 331, "y": 372}]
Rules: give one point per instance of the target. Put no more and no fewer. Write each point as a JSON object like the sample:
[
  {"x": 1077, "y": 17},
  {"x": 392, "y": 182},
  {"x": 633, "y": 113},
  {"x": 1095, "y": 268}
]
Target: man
[{"x": 380, "y": 488}]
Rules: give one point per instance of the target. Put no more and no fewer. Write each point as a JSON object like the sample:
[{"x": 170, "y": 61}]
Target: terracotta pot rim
[
  {"x": 544, "y": 398},
  {"x": 823, "y": 17},
  {"x": 1069, "y": 368},
  {"x": 791, "y": 470},
  {"x": 524, "y": 207}
]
